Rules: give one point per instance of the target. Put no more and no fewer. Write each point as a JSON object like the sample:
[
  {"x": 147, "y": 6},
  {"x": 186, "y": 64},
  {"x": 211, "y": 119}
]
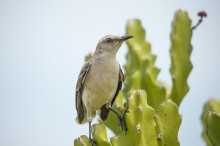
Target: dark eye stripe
[{"x": 109, "y": 40}]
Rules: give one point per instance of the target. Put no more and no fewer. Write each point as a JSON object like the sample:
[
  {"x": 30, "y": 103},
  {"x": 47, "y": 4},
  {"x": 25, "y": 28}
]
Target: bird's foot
[
  {"x": 92, "y": 141},
  {"x": 122, "y": 121}
]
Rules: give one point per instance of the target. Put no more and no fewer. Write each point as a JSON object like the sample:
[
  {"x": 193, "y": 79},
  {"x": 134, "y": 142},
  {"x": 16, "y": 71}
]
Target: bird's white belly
[{"x": 100, "y": 86}]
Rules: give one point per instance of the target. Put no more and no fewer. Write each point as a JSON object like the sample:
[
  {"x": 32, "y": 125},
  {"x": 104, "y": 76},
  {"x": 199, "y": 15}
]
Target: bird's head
[{"x": 110, "y": 44}]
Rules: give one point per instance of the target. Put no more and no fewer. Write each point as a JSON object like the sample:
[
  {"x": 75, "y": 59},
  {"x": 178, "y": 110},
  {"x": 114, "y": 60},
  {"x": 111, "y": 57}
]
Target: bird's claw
[{"x": 122, "y": 121}]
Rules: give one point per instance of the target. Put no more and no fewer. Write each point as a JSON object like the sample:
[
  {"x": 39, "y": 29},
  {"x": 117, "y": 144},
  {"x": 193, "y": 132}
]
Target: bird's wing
[
  {"x": 120, "y": 81},
  {"x": 79, "y": 89},
  {"x": 104, "y": 110}
]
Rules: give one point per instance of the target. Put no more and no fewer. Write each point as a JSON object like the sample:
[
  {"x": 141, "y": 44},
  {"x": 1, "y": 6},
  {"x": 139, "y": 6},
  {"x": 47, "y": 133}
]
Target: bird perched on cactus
[{"x": 99, "y": 82}]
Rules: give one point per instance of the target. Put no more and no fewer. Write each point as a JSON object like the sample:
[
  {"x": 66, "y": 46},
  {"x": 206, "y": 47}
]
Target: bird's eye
[{"x": 109, "y": 40}]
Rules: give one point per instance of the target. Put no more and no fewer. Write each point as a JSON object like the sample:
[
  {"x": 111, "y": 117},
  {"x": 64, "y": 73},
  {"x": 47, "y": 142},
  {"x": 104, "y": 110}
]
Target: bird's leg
[
  {"x": 93, "y": 142},
  {"x": 121, "y": 119}
]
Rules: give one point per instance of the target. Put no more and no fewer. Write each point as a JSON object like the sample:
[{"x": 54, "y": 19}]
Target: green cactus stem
[
  {"x": 140, "y": 122},
  {"x": 168, "y": 121},
  {"x": 100, "y": 135},
  {"x": 210, "y": 120},
  {"x": 82, "y": 141},
  {"x": 213, "y": 127},
  {"x": 180, "y": 52},
  {"x": 140, "y": 69}
]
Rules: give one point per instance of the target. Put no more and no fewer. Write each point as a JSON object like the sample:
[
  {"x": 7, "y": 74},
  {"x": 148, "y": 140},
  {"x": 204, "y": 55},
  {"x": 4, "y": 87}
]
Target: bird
[{"x": 100, "y": 81}]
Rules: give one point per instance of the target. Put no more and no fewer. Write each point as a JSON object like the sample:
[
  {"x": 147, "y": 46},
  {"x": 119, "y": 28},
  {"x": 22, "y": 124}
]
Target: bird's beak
[{"x": 126, "y": 37}]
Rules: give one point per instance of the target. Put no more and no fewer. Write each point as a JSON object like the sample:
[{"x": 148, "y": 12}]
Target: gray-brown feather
[{"x": 79, "y": 89}]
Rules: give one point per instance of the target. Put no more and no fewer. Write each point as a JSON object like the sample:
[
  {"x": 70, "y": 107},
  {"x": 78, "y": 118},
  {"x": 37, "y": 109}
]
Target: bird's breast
[{"x": 101, "y": 83}]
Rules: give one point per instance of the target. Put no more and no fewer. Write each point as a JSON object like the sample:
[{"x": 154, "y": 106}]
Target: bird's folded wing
[{"x": 79, "y": 89}]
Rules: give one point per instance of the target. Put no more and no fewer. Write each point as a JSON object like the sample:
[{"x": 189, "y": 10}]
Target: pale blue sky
[{"x": 42, "y": 49}]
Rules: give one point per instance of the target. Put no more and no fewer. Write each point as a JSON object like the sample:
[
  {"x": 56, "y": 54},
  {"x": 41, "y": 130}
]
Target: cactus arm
[
  {"x": 100, "y": 135},
  {"x": 211, "y": 105},
  {"x": 180, "y": 55},
  {"x": 213, "y": 127},
  {"x": 140, "y": 122},
  {"x": 168, "y": 121},
  {"x": 82, "y": 141},
  {"x": 88, "y": 56},
  {"x": 141, "y": 72}
]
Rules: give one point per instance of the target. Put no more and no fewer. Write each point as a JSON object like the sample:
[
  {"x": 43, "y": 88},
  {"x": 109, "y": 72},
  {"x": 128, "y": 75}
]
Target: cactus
[
  {"x": 82, "y": 141},
  {"x": 213, "y": 127},
  {"x": 168, "y": 121},
  {"x": 153, "y": 118},
  {"x": 140, "y": 122},
  {"x": 181, "y": 49},
  {"x": 145, "y": 127},
  {"x": 211, "y": 119},
  {"x": 88, "y": 56},
  {"x": 140, "y": 70}
]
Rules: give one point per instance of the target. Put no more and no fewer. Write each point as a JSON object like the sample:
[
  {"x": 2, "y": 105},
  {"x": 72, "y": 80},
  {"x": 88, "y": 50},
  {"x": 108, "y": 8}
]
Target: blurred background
[{"x": 42, "y": 49}]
